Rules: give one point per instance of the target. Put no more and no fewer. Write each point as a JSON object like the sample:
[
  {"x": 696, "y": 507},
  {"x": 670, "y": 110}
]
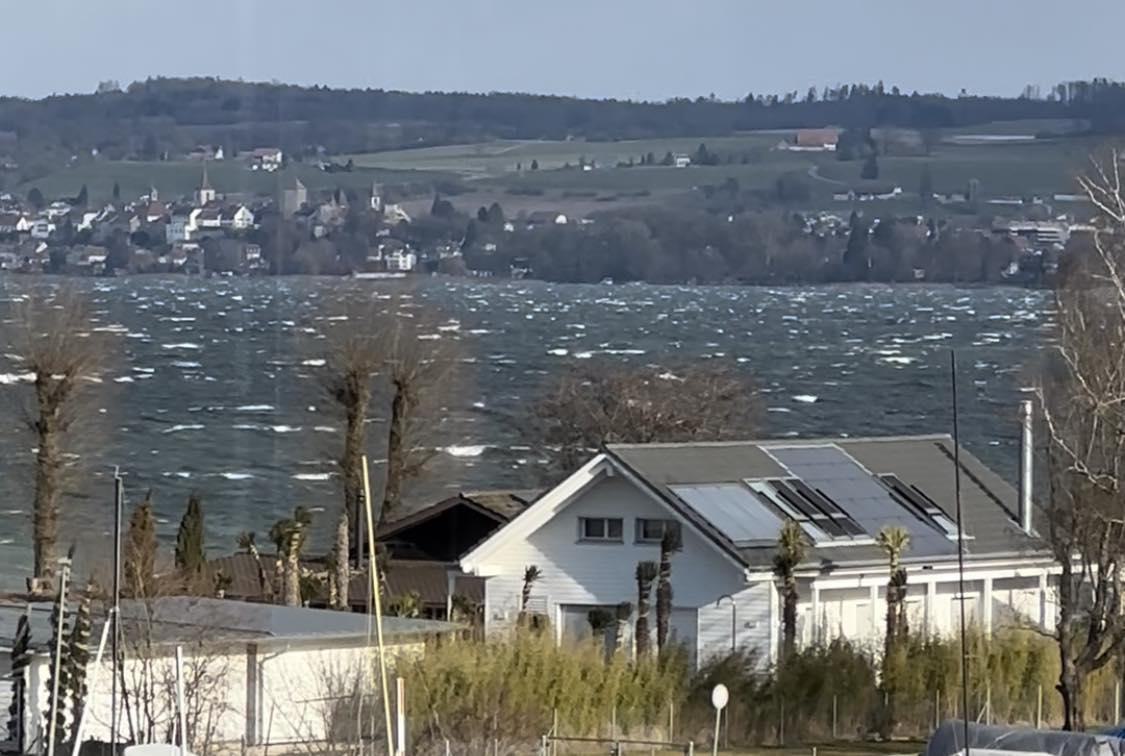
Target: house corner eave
[{"x": 476, "y": 561}]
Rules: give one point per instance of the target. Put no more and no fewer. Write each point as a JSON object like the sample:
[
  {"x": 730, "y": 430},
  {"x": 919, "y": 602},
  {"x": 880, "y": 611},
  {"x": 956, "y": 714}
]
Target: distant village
[
  {"x": 208, "y": 232},
  {"x": 366, "y": 235}
]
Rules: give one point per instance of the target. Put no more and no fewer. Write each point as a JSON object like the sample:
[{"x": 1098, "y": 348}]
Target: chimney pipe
[{"x": 1027, "y": 449}]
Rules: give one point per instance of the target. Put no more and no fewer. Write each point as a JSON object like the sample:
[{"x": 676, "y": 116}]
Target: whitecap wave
[
  {"x": 806, "y": 398},
  {"x": 465, "y": 451},
  {"x": 187, "y": 427}
]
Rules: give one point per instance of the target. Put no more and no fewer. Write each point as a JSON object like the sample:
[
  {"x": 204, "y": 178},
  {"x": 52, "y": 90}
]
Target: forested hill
[{"x": 167, "y": 114}]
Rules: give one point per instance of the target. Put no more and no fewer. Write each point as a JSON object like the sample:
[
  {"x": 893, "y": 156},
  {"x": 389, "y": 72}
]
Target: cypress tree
[
  {"x": 189, "y": 539},
  {"x": 140, "y": 551},
  {"x": 77, "y": 658}
]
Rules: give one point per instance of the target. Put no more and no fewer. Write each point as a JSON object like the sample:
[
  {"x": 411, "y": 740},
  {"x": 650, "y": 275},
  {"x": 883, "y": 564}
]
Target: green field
[
  {"x": 501, "y": 157},
  {"x": 176, "y": 179},
  {"x": 1040, "y": 168}
]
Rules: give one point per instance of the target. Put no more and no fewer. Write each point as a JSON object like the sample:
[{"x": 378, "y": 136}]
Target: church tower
[{"x": 205, "y": 194}]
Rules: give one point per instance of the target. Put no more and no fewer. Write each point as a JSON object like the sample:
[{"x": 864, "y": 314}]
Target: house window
[
  {"x": 652, "y": 531},
  {"x": 600, "y": 529}
]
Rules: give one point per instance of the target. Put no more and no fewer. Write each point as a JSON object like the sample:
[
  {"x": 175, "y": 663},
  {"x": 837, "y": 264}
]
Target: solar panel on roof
[
  {"x": 733, "y": 510},
  {"x": 843, "y": 482}
]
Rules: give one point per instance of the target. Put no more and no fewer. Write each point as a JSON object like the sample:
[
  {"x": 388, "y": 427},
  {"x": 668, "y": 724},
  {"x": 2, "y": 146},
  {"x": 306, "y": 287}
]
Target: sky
[{"x": 636, "y": 49}]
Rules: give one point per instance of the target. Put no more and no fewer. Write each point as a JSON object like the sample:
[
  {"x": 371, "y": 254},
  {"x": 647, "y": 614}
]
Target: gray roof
[
  {"x": 989, "y": 503},
  {"x": 188, "y": 619}
]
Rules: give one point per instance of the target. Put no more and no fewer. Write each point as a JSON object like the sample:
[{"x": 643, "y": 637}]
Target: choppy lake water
[{"x": 212, "y": 384}]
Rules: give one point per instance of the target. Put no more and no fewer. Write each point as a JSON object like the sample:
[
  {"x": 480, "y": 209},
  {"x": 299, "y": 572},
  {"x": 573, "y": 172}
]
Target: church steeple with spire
[{"x": 205, "y": 194}]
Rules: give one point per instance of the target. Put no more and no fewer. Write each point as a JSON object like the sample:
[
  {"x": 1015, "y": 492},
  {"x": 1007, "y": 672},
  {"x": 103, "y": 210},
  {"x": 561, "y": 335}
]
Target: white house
[
  {"x": 274, "y": 674},
  {"x": 729, "y": 500},
  {"x": 239, "y": 219}
]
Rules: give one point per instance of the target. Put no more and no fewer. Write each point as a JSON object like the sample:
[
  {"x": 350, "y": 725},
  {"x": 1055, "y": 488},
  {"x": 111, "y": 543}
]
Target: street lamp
[{"x": 733, "y": 619}]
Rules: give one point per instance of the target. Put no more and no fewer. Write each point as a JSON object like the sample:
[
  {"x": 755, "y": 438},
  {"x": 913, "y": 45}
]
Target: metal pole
[
  {"x": 118, "y": 505},
  {"x": 715, "y": 739},
  {"x": 1039, "y": 709},
  {"x": 835, "y": 715},
  {"x": 64, "y": 576},
  {"x": 181, "y": 710},
  {"x": 960, "y": 547},
  {"x": 400, "y": 712},
  {"x": 1117, "y": 702},
  {"x": 373, "y": 570}
]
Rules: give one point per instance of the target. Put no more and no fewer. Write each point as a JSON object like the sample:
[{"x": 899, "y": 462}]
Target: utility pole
[{"x": 118, "y": 506}]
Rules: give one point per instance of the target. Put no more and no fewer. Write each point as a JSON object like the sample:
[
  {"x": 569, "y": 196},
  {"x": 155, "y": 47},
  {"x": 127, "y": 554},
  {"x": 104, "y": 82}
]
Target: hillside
[{"x": 169, "y": 116}]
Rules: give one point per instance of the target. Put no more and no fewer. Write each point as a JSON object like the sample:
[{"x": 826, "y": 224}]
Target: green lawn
[{"x": 175, "y": 179}]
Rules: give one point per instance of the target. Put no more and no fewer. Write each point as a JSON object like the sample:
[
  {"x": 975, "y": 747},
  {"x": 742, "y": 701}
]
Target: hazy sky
[{"x": 650, "y": 49}]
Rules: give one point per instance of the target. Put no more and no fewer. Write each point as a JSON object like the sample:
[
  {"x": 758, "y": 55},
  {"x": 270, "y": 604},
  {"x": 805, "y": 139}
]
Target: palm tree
[
  {"x": 246, "y": 543},
  {"x": 622, "y": 613},
  {"x": 646, "y": 573},
  {"x": 790, "y": 554},
  {"x": 895, "y": 541},
  {"x": 669, "y": 544},
  {"x": 531, "y": 575},
  {"x": 289, "y": 534}
]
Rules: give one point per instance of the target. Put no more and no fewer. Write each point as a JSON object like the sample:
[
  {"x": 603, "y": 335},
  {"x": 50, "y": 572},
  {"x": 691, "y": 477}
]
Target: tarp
[{"x": 995, "y": 740}]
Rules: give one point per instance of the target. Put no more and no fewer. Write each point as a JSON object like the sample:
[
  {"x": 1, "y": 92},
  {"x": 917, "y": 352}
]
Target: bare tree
[
  {"x": 61, "y": 358},
  {"x": 531, "y": 576},
  {"x": 415, "y": 374},
  {"x": 382, "y": 359},
  {"x": 1082, "y": 395},
  {"x": 603, "y": 402},
  {"x": 352, "y": 360}
]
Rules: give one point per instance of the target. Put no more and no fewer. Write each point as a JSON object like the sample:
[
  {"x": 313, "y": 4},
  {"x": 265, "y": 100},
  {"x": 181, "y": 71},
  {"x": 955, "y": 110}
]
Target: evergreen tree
[
  {"x": 35, "y": 198},
  {"x": 534, "y": 165},
  {"x": 116, "y": 192},
  {"x": 57, "y": 670},
  {"x": 495, "y": 213},
  {"x": 83, "y": 197},
  {"x": 21, "y": 658},
  {"x": 669, "y": 158},
  {"x": 76, "y": 656},
  {"x": 140, "y": 551},
  {"x": 870, "y": 170},
  {"x": 925, "y": 186},
  {"x": 189, "y": 539}
]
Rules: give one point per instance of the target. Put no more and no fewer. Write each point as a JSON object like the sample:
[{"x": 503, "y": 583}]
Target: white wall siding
[
  {"x": 752, "y": 620},
  {"x": 575, "y": 572}
]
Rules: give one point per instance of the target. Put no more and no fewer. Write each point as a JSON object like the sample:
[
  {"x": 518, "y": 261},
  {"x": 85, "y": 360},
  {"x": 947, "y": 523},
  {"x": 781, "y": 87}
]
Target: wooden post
[
  {"x": 937, "y": 708},
  {"x": 671, "y": 720},
  {"x": 1039, "y": 710},
  {"x": 988, "y": 702},
  {"x": 835, "y": 716},
  {"x": 1116, "y": 702}
]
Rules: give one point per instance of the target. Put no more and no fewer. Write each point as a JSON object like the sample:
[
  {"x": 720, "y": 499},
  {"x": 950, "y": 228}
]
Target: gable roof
[{"x": 989, "y": 503}]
